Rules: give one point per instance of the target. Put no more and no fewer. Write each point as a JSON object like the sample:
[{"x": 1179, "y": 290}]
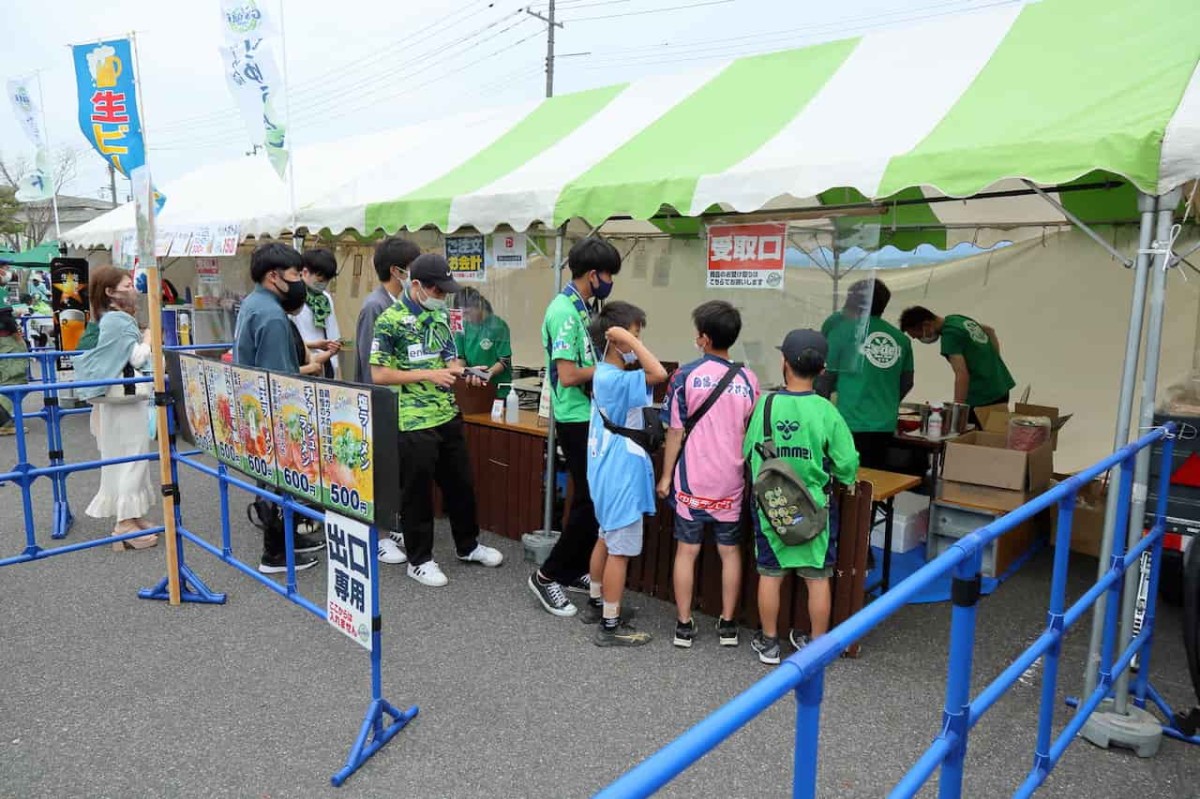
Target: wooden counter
[{"x": 507, "y": 462}]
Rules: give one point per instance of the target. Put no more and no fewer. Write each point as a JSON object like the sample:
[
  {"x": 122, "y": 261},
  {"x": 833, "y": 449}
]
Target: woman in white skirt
[{"x": 120, "y": 414}]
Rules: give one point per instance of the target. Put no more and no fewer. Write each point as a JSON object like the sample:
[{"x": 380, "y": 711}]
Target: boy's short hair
[
  {"x": 614, "y": 314},
  {"x": 270, "y": 257},
  {"x": 913, "y": 318},
  {"x": 320, "y": 262},
  {"x": 593, "y": 254},
  {"x": 394, "y": 251},
  {"x": 877, "y": 290},
  {"x": 808, "y": 364},
  {"x": 718, "y": 320}
]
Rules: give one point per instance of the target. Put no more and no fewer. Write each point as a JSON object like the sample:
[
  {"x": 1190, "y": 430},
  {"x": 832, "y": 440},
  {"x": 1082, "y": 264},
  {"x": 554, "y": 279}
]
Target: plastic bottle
[
  {"x": 936, "y": 414},
  {"x": 512, "y": 406}
]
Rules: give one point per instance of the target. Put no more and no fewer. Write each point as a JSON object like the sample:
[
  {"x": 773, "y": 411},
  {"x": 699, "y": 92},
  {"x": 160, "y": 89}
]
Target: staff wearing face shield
[
  {"x": 485, "y": 340},
  {"x": 980, "y": 375}
]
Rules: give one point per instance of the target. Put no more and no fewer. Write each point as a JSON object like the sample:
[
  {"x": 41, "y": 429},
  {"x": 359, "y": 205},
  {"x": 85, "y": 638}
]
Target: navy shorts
[{"x": 691, "y": 531}]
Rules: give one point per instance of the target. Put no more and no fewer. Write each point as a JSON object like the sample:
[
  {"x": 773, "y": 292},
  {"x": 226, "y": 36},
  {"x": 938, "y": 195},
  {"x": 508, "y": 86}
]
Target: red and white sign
[
  {"x": 746, "y": 256},
  {"x": 208, "y": 267}
]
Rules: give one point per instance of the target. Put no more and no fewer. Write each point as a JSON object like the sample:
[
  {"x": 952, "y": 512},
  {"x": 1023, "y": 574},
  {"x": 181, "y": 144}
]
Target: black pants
[
  {"x": 872, "y": 449},
  {"x": 437, "y": 455},
  {"x": 270, "y": 519},
  {"x": 997, "y": 401},
  {"x": 571, "y": 556}
]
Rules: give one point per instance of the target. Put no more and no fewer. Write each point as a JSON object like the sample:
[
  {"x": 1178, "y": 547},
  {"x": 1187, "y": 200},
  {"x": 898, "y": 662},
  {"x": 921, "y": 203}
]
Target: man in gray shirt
[{"x": 392, "y": 257}]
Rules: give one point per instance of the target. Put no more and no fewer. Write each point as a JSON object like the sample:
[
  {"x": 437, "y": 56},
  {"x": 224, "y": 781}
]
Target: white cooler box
[{"x": 910, "y": 526}]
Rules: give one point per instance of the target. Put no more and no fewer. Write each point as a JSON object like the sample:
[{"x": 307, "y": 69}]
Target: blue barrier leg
[
  {"x": 223, "y": 493},
  {"x": 374, "y": 734},
  {"x": 808, "y": 736},
  {"x": 23, "y": 478},
  {"x": 63, "y": 518},
  {"x": 956, "y": 714},
  {"x": 1160, "y": 512}
]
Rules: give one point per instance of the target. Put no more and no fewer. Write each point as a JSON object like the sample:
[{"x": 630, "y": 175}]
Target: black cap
[
  {"x": 798, "y": 341},
  {"x": 432, "y": 270}
]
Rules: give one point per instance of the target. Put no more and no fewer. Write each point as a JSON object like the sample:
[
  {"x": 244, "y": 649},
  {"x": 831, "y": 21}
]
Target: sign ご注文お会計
[
  {"x": 747, "y": 256},
  {"x": 465, "y": 256}
]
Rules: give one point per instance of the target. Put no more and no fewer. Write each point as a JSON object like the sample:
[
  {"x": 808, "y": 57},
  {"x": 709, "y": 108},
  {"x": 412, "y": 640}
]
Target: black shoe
[
  {"x": 798, "y": 640},
  {"x": 552, "y": 597},
  {"x": 307, "y": 542},
  {"x": 767, "y": 649},
  {"x": 276, "y": 564},
  {"x": 727, "y": 632},
  {"x": 685, "y": 633},
  {"x": 592, "y": 613},
  {"x": 581, "y": 586},
  {"x": 621, "y": 635}
]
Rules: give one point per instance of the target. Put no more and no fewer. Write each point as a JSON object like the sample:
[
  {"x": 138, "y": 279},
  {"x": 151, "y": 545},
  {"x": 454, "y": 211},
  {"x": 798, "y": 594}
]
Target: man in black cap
[{"x": 413, "y": 351}]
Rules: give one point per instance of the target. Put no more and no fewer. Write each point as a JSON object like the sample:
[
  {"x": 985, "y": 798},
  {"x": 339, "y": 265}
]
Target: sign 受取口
[{"x": 747, "y": 256}]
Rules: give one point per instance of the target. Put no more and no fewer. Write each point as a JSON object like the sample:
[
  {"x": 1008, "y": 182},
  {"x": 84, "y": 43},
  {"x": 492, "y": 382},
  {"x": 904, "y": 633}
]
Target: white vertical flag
[
  {"x": 253, "y": 76},
  {"x": 37, "y": 184}
]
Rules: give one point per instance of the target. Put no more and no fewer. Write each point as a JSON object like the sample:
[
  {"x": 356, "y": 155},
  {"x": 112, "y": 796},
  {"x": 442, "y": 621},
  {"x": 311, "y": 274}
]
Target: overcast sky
[{"x": 360, "y": 65}]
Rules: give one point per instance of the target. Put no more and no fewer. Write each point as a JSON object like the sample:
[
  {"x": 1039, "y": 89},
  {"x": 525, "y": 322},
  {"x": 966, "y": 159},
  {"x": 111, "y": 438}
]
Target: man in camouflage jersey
[{"x": 413, "y": 351}]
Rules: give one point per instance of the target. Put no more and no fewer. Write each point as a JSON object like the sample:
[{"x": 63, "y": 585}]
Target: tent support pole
[
  {"x": 1141, "y": 479},
  {"x": 1148, "y": 207},
  {"x": 1079, "y": 223},
  {"x": 551, "y": 443}
]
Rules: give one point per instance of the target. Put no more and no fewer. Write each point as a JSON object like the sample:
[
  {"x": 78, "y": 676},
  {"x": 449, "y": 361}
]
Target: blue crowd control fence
[
  {"x": 382, "y": 721},
  {"x": 804, "y": 672},
  {"x": 53, "y": 412}
]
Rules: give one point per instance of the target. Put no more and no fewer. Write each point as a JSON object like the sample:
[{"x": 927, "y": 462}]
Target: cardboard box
[
  {"x": 1087, "y": 522},
  {"x": 980, "y": 471},
  {"x": 995, "y": 418}
]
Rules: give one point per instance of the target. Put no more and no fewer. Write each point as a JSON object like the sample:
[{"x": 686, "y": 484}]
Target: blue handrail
[{"x": 804, "y": 671}]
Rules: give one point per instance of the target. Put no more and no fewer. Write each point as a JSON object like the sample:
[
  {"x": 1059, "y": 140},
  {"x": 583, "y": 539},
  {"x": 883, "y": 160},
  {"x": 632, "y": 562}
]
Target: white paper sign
[
  {"x": 348, "y": 605},
  {"x": 509, "y": 251}
]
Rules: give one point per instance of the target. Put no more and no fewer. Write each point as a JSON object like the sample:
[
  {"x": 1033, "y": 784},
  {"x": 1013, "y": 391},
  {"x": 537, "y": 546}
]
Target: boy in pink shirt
[{"x": 704, "y": 478}]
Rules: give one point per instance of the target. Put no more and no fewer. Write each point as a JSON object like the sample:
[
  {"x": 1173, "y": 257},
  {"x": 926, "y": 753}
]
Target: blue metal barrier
[
  {"x": 803, "y": 673},
  {"x": 382, "y": 721}
]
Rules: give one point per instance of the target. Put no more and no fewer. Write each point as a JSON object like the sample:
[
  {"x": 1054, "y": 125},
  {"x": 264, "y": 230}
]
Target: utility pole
[
  {"x": 112, "y": 183},
  {"x": 550, "y": 26}
]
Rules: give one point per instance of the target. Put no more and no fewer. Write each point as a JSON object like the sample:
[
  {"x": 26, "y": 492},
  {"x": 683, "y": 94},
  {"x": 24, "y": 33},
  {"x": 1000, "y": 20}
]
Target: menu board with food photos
[
  {"x": 297, "y": 447},
  {"x": 329, "y": 443}
]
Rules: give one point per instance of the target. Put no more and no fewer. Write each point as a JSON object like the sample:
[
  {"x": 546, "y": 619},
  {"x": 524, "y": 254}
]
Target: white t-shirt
[{"x": 310, "y": 332}]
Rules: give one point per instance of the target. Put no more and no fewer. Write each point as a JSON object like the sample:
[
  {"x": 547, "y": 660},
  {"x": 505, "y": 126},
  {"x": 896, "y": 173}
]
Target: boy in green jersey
[{"x": 812, "y": 437}]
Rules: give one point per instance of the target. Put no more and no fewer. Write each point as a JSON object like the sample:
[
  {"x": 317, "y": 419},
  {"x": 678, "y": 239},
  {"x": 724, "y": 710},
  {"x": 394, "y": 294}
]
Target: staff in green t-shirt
[
  {"x": 980, "y": 376},
  {"x": 485, "y": 340},
  {"x": 871, "y": 368}
]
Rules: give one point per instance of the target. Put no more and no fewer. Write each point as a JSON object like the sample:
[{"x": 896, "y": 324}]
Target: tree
[
  {"x": 37, "y": 218},
  {"x": 10, "y": 226}
]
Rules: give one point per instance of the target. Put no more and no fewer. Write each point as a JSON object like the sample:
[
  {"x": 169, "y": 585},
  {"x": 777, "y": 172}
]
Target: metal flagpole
[
  {"x": 297, "y": 243},
  {"x": 154, "y": 288},
  {"x": 46, "y": 138},
  {"x": 1147, "y": 205}
]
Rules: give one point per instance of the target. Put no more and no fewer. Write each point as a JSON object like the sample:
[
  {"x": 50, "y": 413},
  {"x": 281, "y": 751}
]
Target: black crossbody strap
[
  {"x": 712, "y": 398},
  {"x": 766, "y": 449}
]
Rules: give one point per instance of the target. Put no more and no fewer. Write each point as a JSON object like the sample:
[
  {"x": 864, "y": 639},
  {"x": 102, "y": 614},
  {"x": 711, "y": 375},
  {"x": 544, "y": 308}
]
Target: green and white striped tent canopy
[{"x": 1059, "y": 92}]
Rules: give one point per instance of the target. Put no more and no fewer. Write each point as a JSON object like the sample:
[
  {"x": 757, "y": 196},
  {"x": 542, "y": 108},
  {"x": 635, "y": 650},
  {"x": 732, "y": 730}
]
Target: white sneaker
[
  {"x": 484, "y": 555},
  {"x": 398, "y": 538},
  {"x": 390, "y": 553},
  {"x": 428, "y": 573}
]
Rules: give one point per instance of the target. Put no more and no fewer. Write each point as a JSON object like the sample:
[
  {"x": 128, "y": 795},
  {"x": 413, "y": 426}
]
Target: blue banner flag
[{"x": 108, "y": 112}]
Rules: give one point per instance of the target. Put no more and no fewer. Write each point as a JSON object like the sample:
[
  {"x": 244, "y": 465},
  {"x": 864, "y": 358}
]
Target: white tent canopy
[{"x": 1059, "y": 92}]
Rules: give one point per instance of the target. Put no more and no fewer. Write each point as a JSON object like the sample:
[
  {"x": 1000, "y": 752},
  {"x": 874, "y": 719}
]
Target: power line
[{"x": 686, "y": 7}]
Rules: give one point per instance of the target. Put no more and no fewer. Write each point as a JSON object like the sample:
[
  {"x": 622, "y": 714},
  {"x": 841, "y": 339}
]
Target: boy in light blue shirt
[{"x": 619, "y": 473}]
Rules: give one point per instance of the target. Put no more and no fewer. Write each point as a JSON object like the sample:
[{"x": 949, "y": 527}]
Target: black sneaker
[
  {"x": 277, "y": 564},
  {"x": 592, "y": 613},
  {"x": 798, "y": 640},
  {"x": 307, "y": 542},
  {"x": 727, "y": 632},
  {"x": 581, "y": 586},
  {"x": 767, "y": 649},
  {"x": 621, "y": 635},
  {"x": 685, "y": 633},
  {"x": 552, "y": 597}
]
